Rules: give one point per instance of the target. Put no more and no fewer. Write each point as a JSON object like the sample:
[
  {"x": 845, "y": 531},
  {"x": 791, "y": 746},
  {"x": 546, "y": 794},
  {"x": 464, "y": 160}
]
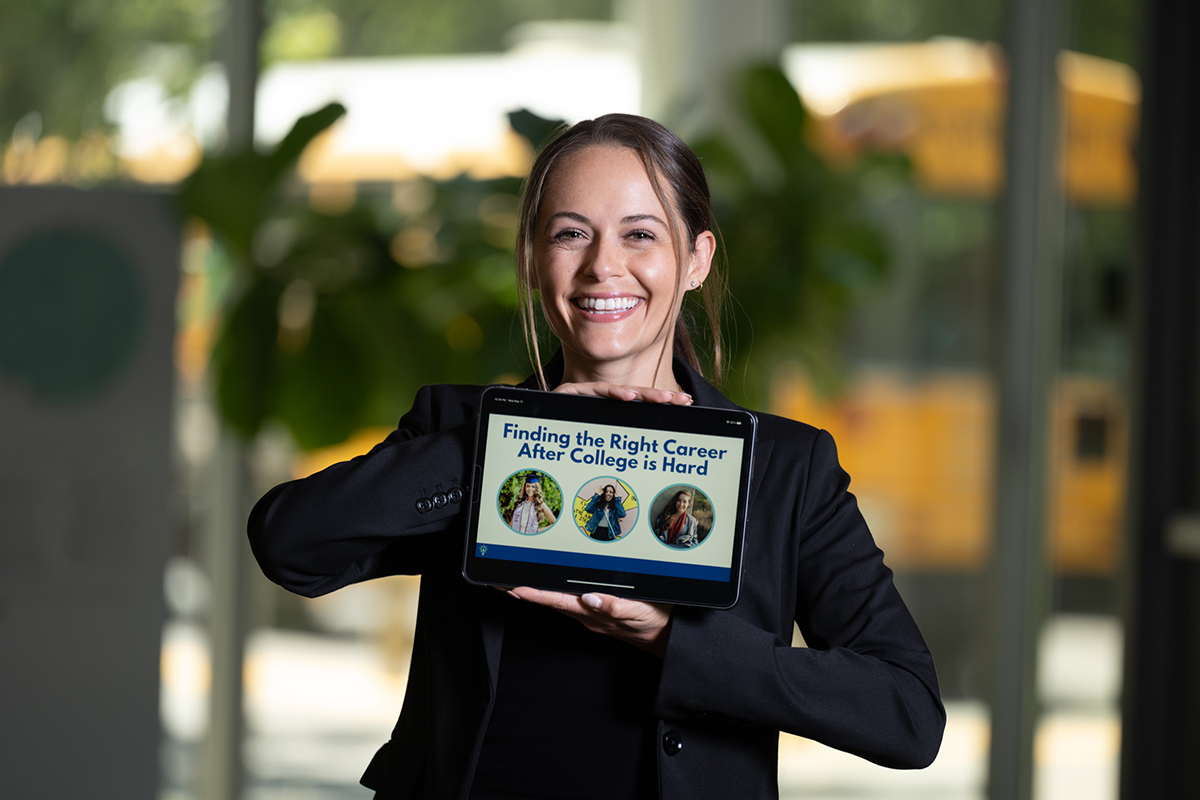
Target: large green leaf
[
  {"x": 324, "y": 389},
  {"x": 534, "y": 129},
  {"x": 775, "y": 109},
  {"x": 243, "y": 360},
  {"x": 307, "y": 128},
  {"x": 231, "y": 192}
]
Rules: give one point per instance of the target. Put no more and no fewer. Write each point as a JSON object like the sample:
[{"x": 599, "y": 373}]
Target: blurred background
[{"x": 237, "y": 235}]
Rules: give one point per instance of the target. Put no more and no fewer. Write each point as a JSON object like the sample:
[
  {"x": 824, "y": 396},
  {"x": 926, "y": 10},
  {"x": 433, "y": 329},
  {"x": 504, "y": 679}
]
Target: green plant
[
  {"x": 801, "y": 251},
  {"x": 334, "y": 320}
]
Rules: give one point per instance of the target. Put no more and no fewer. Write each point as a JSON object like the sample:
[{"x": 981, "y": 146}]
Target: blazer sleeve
[
  {"x": 365, "y": 518},
  {"x": 865, "y": 683}
]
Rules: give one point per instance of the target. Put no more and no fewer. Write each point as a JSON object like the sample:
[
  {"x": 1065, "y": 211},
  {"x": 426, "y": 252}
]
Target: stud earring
[{"x": 694, "y": 284}]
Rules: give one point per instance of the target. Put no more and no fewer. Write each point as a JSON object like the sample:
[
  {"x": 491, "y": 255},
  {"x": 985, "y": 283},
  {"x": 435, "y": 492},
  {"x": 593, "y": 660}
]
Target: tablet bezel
[{"x": 536, "y": 404}]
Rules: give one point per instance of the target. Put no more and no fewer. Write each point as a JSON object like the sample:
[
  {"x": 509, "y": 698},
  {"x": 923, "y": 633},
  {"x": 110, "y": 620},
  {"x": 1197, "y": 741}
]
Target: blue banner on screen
[{"x": 613, "y": 563}]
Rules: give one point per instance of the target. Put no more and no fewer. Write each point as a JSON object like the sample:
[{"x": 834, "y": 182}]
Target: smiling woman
[{"x": 531, "y": 693}]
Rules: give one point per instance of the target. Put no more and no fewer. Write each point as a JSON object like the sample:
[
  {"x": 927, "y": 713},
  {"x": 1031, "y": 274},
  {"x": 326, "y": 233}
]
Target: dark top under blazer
[{"x": 730, "y": 679}]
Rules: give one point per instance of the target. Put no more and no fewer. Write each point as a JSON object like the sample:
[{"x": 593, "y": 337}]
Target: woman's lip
[{"x": 614, "y": 315}]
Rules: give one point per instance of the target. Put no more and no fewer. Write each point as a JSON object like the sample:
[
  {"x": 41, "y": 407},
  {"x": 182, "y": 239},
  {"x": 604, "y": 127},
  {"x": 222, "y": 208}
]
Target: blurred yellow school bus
[
  {"x": 921, "y": 453},
  {"x": 941, "y": 102}
]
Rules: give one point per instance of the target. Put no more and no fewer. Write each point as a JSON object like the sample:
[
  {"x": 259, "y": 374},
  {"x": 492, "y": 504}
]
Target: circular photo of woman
[
  {"x": 529, "y": 502},
  {"x": 683, "y": 516},
  {"x": 606, "y": 509}
]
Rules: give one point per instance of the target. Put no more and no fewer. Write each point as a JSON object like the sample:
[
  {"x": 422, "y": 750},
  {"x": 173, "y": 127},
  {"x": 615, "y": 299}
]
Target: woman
[
  {"x": 507, "y": 695},
  {"x": 607, "y": 510},
  {"x": 530, "y": 513},
  {"x": 676, "y": 526}
]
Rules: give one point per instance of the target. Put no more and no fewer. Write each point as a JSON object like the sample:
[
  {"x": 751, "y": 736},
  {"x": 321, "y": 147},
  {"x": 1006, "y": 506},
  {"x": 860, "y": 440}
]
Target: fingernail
[
  {"x": 591, "y": 601},
  {"x": 513, "y": 594}
]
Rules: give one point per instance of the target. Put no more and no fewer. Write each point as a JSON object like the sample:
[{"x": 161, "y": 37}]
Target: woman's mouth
[{"x": 606, "y": 305}]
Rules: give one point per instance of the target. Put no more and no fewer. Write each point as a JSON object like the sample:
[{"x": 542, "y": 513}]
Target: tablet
[{"x": 586, "y": 494}]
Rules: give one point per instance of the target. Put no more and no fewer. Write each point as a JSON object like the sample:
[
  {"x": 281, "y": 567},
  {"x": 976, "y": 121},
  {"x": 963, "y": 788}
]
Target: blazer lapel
[
  {"x": 491, "y": 624},
  {"x": 705, "y": 394},
  {"x": 762, "y": 455}
]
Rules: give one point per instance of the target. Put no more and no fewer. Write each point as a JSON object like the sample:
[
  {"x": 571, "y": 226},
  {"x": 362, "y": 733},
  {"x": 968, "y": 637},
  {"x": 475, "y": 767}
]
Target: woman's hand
[
  {"x": 615, "y": 391},
  {"x": 644, "y": 625}
]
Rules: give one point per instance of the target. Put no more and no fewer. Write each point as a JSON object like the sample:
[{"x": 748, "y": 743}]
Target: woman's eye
[
  {"x": 568, "y": 233},
  {"x": 641, "y": 235}
]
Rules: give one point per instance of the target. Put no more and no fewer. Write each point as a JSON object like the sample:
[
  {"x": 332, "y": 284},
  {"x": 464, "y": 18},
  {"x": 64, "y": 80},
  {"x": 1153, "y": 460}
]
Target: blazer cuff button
[
  {"x": 439, "y": 499},
  {"x": 424, "y": 505},
  {"x": 672, "y": 743},
  {"x": 455, "y": 495}
]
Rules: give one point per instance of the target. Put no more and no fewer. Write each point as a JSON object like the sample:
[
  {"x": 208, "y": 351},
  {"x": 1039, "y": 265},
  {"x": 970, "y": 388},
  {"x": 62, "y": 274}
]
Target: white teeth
[{"x": 606, "y": 304}]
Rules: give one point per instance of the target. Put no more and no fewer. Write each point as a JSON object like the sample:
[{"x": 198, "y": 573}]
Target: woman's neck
[{"x": 657, "y": 373}]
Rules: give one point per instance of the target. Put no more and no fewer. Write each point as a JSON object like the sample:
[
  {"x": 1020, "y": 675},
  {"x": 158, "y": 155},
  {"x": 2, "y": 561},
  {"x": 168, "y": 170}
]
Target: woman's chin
[{"x": 608, "y": 351}]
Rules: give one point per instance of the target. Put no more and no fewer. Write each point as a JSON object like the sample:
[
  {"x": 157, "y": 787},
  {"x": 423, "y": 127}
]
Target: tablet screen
[{"x": 587, "y": 494}]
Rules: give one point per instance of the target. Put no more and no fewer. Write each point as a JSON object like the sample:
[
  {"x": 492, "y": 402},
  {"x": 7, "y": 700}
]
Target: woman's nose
[{"x": 604, "y": 261}]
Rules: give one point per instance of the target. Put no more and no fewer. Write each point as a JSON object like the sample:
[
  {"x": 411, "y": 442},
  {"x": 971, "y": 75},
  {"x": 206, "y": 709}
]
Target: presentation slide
[{"x": 618, "y": 498}]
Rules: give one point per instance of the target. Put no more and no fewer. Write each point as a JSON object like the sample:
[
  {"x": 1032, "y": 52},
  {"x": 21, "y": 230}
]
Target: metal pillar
[
  {"x": 1028, "y": 351},
  {"x": 244, "y": 24},
  {"x": 1161, "y": 705}
]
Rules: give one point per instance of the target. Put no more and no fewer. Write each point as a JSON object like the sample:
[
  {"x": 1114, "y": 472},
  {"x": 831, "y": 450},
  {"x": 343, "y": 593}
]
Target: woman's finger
[
  {"x": 598, "y": 389},
  {"x": 646, "y": 394},
  {"x": 559, "y": 601},
  {"x": 644, "y": 625}
]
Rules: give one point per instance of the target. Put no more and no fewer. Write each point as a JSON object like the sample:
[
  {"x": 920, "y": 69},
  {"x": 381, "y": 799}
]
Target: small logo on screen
[{"x": 483, "y": 550}]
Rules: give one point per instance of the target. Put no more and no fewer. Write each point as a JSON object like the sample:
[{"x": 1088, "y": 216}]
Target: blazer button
[
  {"x": 672, "y": 743},
  {"x": 424, "y": 505},
  {"x": 439, "y": 499},
  {"x": 455, "y": 495}
]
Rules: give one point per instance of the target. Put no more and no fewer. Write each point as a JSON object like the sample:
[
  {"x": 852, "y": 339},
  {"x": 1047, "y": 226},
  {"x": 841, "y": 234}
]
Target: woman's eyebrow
[
  {"x": 581, "y": 219},
  {"x": 642, "y": 218}
]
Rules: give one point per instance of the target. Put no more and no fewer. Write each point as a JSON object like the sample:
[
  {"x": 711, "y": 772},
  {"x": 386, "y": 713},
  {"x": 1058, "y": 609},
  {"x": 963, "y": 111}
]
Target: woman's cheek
[{"x": 556, "y": 318}]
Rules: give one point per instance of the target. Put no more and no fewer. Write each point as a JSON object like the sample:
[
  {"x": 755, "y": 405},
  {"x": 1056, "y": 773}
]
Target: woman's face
[
  {"x": 604, "y": 262},
  {"x": 681, "y": 503},
  {"x": 528, "y": 490},
  {"x": 609, "y": 493}
]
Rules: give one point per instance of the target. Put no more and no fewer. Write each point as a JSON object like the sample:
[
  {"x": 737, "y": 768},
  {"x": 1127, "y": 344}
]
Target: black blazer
[{"x": 730, "y": 679}]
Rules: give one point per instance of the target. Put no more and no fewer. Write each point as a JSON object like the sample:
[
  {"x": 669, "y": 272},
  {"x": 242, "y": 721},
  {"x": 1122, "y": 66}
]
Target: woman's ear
[{"x": 701, "y": 261}]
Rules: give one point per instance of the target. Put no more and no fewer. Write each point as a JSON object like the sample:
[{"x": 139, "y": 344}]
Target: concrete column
[
  {"x": 227, "y": 556},
  {"x": 690, "y": 48}
]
